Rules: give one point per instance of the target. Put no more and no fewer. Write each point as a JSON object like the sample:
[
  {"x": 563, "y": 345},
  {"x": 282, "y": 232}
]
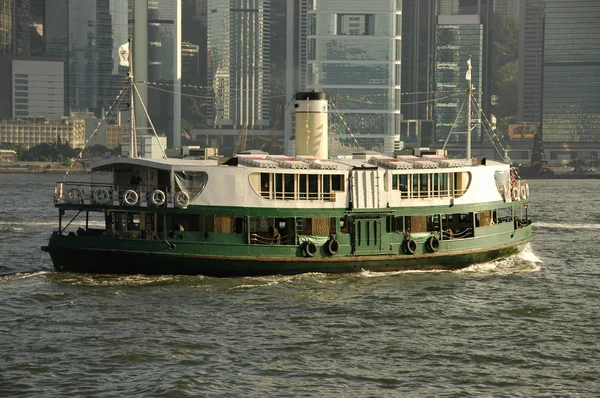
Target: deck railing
[{"x": 113, "y": 194}]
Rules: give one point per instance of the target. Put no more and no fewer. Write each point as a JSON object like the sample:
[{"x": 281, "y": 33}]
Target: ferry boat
[{"x": 264, "y": 214}]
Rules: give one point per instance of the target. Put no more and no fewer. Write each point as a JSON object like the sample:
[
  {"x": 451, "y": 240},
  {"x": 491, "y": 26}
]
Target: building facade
[
  {"x": 7, "y": 27},
  {"x": 86, "y": 35},
  {"x": 71, "y": 131},
  {"x": 457, "y": 38},
  {"x": 238, "y": 51},
  {"x": 571, "y": 71},
  {"x": 31, "y": 87},
  {"x": 155, "y": 26},
  {"x": 531, "y": 58},
  {"x": 354, "y": 53}
]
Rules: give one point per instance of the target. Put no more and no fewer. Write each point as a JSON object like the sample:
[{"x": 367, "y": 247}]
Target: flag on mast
[
  {"x": 124, "y": 54},
  {"x": 468, "y": 75}
]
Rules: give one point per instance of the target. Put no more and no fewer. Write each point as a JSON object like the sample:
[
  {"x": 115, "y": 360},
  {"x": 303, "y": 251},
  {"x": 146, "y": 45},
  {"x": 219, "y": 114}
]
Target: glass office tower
[
  {"x": 354, "y": 51},
  {"x": 457, "y": 38},
  {"x": 239, "y": 62},
  {"x": 571, "y": 76},
  {"x": 155, "y": 26}
]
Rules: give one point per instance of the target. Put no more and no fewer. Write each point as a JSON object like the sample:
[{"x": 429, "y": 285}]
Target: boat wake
[
  {"x": 526, "y": 261},
  {"x": 566, "y": 226},
  {"x": 21, "y": 275}
]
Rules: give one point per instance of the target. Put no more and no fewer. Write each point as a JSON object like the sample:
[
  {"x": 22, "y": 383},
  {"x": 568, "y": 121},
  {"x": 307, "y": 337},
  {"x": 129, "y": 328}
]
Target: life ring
[
  {"x": 523, "y": 192},
  {"x": 410, "y": 245},
  {"x": 101, "y": 196},
  {"x": 158, "y": 197},
  {"x": 433, "y": 244},
  {"x": 515, "y": 193},
  {"x": 75, "y": 195},
  {"x": 310, "y": 249},
  {"x": 130, "y": 197},
  {"x": 182, "y": 200},
  {"x": 333, "y": 247},
  {"x": 527, "y": 189}
]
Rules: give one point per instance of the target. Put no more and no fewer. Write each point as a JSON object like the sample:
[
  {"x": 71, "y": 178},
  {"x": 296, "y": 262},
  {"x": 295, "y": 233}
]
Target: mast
[
  {"x": 133, "y": 146},
  {"x": 469, "y": 89}
]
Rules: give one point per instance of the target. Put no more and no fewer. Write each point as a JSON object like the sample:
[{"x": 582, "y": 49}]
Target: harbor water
[{"x": 525, "y": 326}]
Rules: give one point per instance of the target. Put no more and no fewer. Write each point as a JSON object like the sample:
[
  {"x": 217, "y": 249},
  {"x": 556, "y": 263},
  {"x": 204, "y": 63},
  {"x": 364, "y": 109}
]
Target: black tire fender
[
  {"x": 433, "y": 244},
  {"x": 310, "y": 249},
  {"x": 333, "y": 247},
  {"x": 410, "y": 246}
]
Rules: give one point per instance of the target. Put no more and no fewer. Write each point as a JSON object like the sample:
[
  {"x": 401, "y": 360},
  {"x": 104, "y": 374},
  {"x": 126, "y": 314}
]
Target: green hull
[{"x": 154, "y": 257}]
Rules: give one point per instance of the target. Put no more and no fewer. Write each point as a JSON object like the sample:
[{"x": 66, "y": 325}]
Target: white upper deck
[{"x": 363, "y": 181}]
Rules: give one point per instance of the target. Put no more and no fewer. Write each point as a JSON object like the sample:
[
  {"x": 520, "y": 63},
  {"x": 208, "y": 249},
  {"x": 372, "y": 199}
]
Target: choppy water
[{"x": 525, "y": 326}]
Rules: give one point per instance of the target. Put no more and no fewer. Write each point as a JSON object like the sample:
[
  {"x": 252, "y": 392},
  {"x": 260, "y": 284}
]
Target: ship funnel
[{"x": 311, "y": 125}]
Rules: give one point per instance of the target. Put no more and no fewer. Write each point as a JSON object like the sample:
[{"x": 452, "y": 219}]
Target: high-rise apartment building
[
  {"x": 354, "y": 52},
  {"x": 239, "y": 63},
  {"x": 571, "y": 71}
]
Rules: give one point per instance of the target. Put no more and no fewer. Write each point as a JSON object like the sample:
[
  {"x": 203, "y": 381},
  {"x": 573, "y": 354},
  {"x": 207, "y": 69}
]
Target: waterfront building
[
  {"x": 571, "y": 71},
  {"x": 531, "y": 55},
  {"x": 31, "y": 87},
  {"x": 148, "y": 146},
  {"x": 155, "y": 26},
  {"x": 7, "y": 27},
  {"x": 458, "y": 37},
  {"x": 35, "y": 131},
  {"x": 238, "y": 51},
  {"x": 510, "y": 9},
  {"x": 354, "y": 52}
]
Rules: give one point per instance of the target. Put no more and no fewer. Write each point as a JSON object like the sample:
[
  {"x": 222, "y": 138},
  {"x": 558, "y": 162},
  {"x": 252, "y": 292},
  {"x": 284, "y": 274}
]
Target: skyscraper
[
  {"x": 7, "y": 27},
  {"x": 571, "y": 84},
  {"x": 531, "y": 53},
  {"x": 155, "y": 26},
  {"x": 86, "y": 34},
  {"x": 458, "y": 37},
  {"x": 239, "y": 62},
  {"x": 354, "y": 52}
]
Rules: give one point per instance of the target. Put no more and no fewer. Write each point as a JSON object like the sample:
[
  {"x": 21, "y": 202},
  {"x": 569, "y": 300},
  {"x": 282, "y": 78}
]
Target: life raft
[
  {"x": 158, "y": 197},
  {"x": 75, "y": 195},
  {"x": 130, "y": 197},
  {"x": 515, "y": 193},
  {"x": 182, "y": 199},
  {"x": 101, "y": 196}
]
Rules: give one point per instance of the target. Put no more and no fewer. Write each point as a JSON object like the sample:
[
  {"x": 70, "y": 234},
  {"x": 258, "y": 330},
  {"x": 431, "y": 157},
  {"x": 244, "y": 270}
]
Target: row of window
[
  {"x": 281, "y": 186},
  {"x": 431, "y": 185}
]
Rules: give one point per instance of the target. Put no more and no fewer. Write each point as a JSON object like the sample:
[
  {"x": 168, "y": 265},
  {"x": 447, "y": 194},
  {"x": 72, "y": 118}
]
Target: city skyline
[{"x": 269, "y": 56}]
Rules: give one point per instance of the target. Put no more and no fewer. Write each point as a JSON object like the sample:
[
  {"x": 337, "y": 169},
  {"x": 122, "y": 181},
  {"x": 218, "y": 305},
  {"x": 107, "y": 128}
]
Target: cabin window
[
  {"x": 313, "y": 186},
  {"x": 191, "y": 182},
  {"x": 395, "y": 224},
  {"x": 289, "y": 186},
  {"x": 264, "y": 184},
  {"x": 278, "y": 186},
  {"x": 423, "y": 188},
  {"x": 298, "y": 186},
  {"x": 271, "y": 230},
  {"x": 184, "y": 222},
  {"x": 303, "y": 187}
]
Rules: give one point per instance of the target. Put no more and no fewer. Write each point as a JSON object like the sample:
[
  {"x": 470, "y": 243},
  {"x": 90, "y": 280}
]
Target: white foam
[{"x": 565, "y": 226}]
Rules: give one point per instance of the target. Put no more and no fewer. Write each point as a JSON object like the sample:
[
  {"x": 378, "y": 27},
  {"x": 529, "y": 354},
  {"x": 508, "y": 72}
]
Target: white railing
[{"x": 113, "y": 195}]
